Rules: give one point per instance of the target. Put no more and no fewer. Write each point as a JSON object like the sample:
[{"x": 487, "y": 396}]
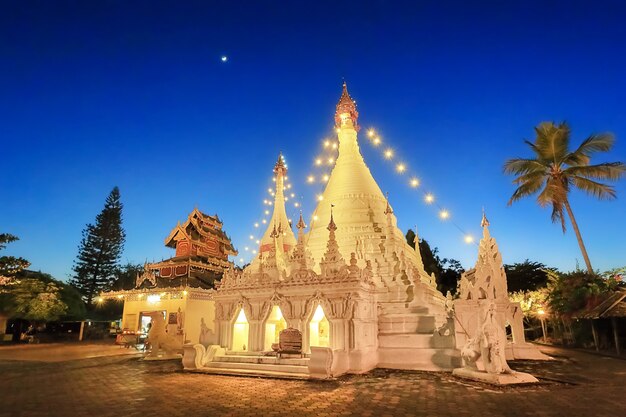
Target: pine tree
[{"x": 100, "y": 250}]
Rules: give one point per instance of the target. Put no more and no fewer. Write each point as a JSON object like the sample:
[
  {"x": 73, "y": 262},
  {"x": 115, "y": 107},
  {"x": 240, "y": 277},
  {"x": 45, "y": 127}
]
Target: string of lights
[
  {"x": 402, "y": 169},
  {"x": 326, "y": 161}
]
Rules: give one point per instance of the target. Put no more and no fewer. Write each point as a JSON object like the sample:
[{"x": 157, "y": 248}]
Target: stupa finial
[
  {"x": 388, "y": 209},
  {"x": 331, "y": 225},
  {"x": 301, "y": 225},
  {"x": 280, "y": 165},
  {"x": 346, "y": 113},
  {"x": 484, "y": 222}
]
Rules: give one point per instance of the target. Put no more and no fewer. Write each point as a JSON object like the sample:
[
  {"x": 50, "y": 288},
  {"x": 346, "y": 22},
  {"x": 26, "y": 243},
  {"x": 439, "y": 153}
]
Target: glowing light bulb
[
  {"x": 292, "y": 195},
  {"x": 388, "y": 154},
  {"x": 318, "y": 161},
  {"x": 429, "y": 198},
  {"x": 334, "y": 145},
  {"x": 296, "y": 204},
  {"x": 269, "y": 190},
  {"x": 269, "y": 203},
  {"x": 400, "y": 168},
  {"x": 414, "y": 182},
  {"x": 254, "y": 251},
  {"x": 241, "y": 260},
  {"x": 320, "y": 197},
  {"x": 267, "y": 212},
  {"x": 469, "y": 239},
  {"x": 325, "y": 178},
  {"x": 331, "y": 161},
  {"x": 376, "y": 141},
  {"x": 288, "y": 186},
  {"x": 286, "y": 198},
  {"x": 264, "y": 221},
  {"x": 444, "y": 214},
  {"x": 371, "y": 133},
  {"x": 246, "y": 248},
  {"x": 251, "y": 237},
  {"x": 315, "y": 217},
  {"x": 326, "y": 143},
  {"x": 256, "y": 225},
  {"x": 257, "y": 242},
  {"x": 310, "y": 179}
]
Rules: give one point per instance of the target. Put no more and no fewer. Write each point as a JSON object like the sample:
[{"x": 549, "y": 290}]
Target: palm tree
[{"x": 554, "y": 170}]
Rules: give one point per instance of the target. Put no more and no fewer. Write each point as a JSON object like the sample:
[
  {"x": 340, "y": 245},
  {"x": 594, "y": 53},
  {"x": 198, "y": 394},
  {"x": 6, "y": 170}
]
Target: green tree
[
  {"x": 571, "y": 292},
  {"x": 36, "y": 300},
  {"x": 447, "y": 271},
  {"x": 526, "y": 276},
  {"x": 10, "y": 265},
  {"x": 126, "y": 276},
  {"x": 554, "y": 170},
  {"x": 100, "y": 250}
]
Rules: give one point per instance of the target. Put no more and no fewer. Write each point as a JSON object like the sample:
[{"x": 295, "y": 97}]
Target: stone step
[
  {"x": 259, "y": 353},
  {"x": 267, "y": 360},
  {"x": 259, "y": 367},
  {"x": 422, "y": 359},
  {"x": 415, "y": 340},
  {"x": 252, "y": 373}
]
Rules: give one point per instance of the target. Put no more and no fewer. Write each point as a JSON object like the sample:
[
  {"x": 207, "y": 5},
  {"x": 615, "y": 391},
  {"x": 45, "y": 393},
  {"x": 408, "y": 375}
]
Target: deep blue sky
[{"x": 128, "y": 93}]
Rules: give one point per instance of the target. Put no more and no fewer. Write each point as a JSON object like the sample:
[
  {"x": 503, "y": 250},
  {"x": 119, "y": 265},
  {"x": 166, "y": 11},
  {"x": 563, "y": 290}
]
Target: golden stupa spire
[{"x": 346, "y": 110}]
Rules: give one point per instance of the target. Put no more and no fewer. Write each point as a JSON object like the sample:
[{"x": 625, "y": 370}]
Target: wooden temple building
[
  {"x": 202, "y": 250},
  {"x": 179, "y": 287}
]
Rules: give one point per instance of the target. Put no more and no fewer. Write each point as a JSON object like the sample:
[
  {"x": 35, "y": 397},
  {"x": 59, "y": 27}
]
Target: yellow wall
[{"x": 193, "y": 310}]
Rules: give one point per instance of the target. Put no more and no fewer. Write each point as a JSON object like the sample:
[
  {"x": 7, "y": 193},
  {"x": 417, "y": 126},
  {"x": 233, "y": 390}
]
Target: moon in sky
[{"x": 224, "y": 58}]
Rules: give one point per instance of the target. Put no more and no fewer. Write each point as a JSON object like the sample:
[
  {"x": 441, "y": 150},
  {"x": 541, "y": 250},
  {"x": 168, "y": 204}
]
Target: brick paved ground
[{"x": 577, "y": 384}]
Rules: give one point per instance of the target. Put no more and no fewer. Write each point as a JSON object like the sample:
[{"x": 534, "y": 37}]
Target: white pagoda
[{"x": 352, "y": 286}]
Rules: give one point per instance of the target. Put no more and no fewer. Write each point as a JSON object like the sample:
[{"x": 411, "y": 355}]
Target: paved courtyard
[{"x": 576, "y": 384}]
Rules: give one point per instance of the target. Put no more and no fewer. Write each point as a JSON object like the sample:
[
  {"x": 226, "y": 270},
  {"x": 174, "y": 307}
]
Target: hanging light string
[
  {"x": 414, "y": 182},
  {"x": 323, "y": 164},
  {"x": 325, "y": 161}
]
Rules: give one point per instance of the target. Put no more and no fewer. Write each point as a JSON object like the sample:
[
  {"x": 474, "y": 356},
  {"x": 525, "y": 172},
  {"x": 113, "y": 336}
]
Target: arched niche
[
  {"x": 274, "y": 324},
  {"x": 241, "y": 331},
  {"x": 319, "y": 328}
]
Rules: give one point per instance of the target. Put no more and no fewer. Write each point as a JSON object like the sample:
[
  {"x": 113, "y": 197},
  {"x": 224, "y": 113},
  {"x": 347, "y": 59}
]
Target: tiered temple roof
[{"x": 202, "y": 250}]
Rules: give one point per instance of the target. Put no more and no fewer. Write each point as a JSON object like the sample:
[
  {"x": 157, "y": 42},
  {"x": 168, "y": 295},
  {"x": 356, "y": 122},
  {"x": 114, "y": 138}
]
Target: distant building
[{"x": 181, "y": 286}]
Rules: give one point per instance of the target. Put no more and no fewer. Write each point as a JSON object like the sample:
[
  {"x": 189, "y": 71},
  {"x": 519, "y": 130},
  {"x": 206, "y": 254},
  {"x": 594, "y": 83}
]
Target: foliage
[
  {"x": 554, "y": 170},
  {"x": 447, "y": 271},
  {"x": 68, "y": 295},
  {"x": 10, "y": 265},
  {"x": 574, "y": 291},
  {"x": 100, "y": 249},
  {"x": 126, "y": 276},
  {"x": 526, "y": 276},
  {"x": 36, "y": 300},
  {"x": 532, "y": 302},
  {"x": 451, "y": 271}
]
